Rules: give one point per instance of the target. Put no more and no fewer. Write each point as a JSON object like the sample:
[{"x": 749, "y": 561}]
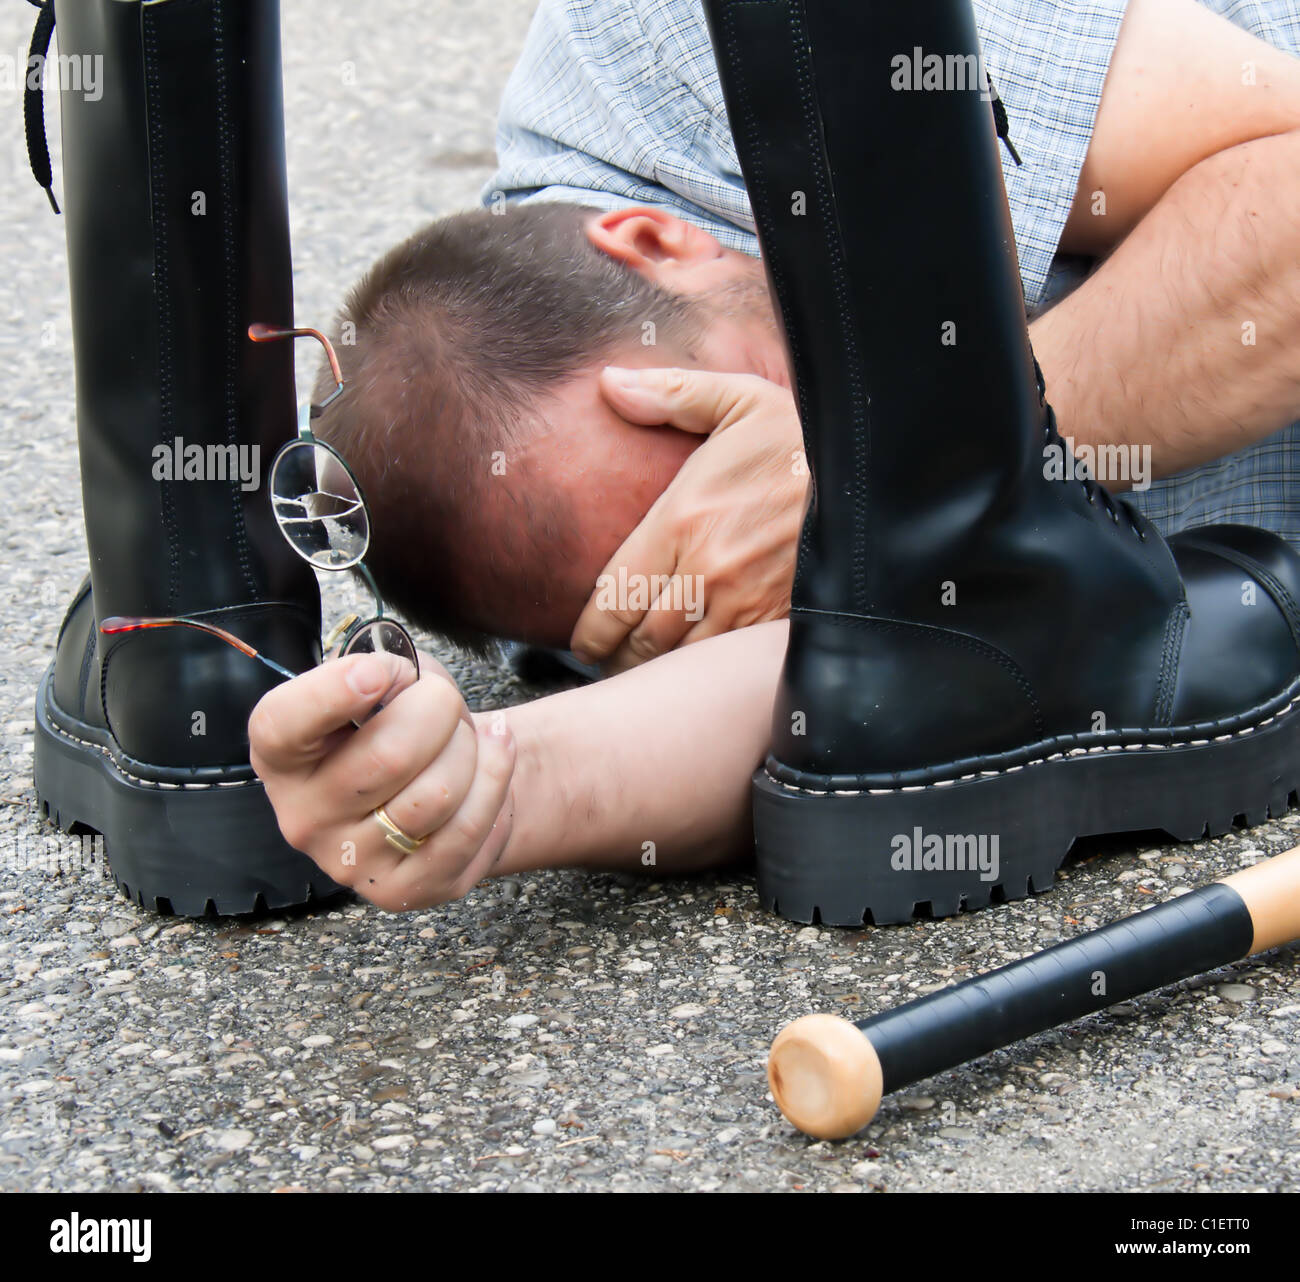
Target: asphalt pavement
[{"x": 549, "y": 1032}]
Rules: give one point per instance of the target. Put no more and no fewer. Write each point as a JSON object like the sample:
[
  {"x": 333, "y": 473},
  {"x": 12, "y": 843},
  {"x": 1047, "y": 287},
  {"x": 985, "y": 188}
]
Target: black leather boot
[
  {"x": 985, "y": 661},
  {"x": 178, "y": 238}
]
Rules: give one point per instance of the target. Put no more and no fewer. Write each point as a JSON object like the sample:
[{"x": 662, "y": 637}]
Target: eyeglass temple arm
[
  {"x": 364, "y": 571},
  {"x": 263, "y": 333},
  {"x": 135, "y": 623}
]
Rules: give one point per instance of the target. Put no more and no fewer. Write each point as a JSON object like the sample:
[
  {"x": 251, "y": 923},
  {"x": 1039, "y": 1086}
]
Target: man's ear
[{"x": 651, "y": 241}]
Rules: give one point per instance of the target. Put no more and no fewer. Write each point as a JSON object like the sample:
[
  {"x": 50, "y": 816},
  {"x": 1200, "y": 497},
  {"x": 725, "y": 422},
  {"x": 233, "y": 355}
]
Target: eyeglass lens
[
  {"x": 318, "y": 505},
  {"x": 381, "y": 636}
]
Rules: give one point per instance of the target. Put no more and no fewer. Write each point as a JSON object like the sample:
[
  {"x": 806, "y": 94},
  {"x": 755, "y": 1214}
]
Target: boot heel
[{"x": 192, "y": 850}]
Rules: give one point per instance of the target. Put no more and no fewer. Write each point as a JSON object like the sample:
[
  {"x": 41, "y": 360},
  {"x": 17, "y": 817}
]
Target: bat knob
[{"x": 825, "y": 1076}]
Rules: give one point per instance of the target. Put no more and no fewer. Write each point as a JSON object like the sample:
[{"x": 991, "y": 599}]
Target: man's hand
[
  {"x": 438, "y": 773},
  {"x": 717, "y": 549}
]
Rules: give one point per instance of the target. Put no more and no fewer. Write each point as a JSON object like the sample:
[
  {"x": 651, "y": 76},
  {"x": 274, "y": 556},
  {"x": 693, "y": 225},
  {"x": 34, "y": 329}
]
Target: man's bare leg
[{"x": 1184, "y": 337}]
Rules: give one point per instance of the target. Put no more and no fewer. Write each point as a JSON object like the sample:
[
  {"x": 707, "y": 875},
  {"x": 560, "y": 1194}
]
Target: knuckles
[
  {"x": 674, "y": 382},
  {"x": 264, "y": 737},
  {"x": 642, "y": 648},
  {"x": 298, "y": 829},
  {"x": 385, "y": 758},
  {"x": 466, "y": 831}
]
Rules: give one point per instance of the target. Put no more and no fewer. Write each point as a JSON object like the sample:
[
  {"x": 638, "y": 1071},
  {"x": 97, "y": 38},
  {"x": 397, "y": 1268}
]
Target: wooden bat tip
[{"x": 825, "y": 1076}]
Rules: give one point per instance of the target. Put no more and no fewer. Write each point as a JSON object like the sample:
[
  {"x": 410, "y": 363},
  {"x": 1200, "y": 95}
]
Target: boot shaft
[
  {"x": 879, "y": 203},
  {"x": 943, "y": 571},
  {"x": 178, "y": 237}
]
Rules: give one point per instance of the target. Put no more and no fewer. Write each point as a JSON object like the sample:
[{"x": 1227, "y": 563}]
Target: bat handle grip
[{"x": 1186, "y": 936}]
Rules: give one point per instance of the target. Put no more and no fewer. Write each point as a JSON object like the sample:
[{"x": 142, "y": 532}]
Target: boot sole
[
  {"x": 844, "y": 858},
  {"x": 192, "y": 850}
]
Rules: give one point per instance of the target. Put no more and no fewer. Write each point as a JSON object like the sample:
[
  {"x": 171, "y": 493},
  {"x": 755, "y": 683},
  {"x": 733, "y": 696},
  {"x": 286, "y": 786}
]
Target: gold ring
[{"x": 394, "y": 835}]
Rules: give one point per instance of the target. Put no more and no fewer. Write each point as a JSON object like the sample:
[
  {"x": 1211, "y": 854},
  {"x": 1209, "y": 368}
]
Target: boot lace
[
  {"x": 1113, "y": 507},
  {"x": 1000, "y": 122},
  {"x": 38, "y": 150}
]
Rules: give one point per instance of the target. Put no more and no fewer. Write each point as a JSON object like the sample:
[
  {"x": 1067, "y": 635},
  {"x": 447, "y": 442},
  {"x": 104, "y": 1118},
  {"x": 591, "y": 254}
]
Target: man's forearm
[
  {"x": 1184, "y": 339},
  {"x": 648, "y": 770}
]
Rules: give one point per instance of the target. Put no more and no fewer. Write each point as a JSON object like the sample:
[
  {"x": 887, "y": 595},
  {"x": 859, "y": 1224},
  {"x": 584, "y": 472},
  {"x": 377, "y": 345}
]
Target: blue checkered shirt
[{"x": 617, "y": 102}]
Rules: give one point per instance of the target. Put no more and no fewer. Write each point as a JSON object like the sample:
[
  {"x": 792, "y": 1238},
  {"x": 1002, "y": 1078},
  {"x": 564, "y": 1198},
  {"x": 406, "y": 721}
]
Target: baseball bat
[{"x": 828, "y": 1075}]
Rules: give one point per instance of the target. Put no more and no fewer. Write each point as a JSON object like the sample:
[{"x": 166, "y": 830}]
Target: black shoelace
[
  {"x": 1114, "y": 508},
  {"x": 38, "y": 150},
  {"x": 1000, "y": 122}
]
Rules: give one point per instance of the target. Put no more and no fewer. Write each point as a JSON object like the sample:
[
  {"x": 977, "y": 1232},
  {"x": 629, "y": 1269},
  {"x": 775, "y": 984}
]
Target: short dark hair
[{"x": 447, "y": 344}]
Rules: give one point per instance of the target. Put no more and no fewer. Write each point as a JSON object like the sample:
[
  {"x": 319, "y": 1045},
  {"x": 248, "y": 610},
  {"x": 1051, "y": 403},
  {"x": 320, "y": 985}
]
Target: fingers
[
  {"x": 428, "y": 802},
  {"x": 464, "y": 849},
  {"x": 711, "y": 501},
  {"x": 389, "y": 750},
  {"x": 714, "y": 625},
  {"x": 290, "y": 729},
  {"x": 430, "y": 667},
  {"x": 435, "y": 794},
  {"x": 660, "y": 629},
  {"x": 646, "y": 556},
  {"x": 693, "y": 400},
  {"x": 442, "y": 779},
  {"x": 732, "y": 603}
]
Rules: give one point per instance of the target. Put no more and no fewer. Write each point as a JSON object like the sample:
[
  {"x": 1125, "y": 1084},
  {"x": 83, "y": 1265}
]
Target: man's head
[{"x": 499, "y": 480}]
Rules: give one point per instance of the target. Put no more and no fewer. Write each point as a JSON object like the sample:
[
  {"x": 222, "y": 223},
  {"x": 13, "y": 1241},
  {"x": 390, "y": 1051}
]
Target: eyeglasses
[{"x": 322, "y": 514}]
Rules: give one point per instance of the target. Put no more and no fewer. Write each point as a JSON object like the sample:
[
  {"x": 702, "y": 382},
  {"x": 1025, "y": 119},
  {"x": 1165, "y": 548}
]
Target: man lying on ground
[
  {"x": 507, "y": 472},
  {"x": 652, "y": 768}
]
